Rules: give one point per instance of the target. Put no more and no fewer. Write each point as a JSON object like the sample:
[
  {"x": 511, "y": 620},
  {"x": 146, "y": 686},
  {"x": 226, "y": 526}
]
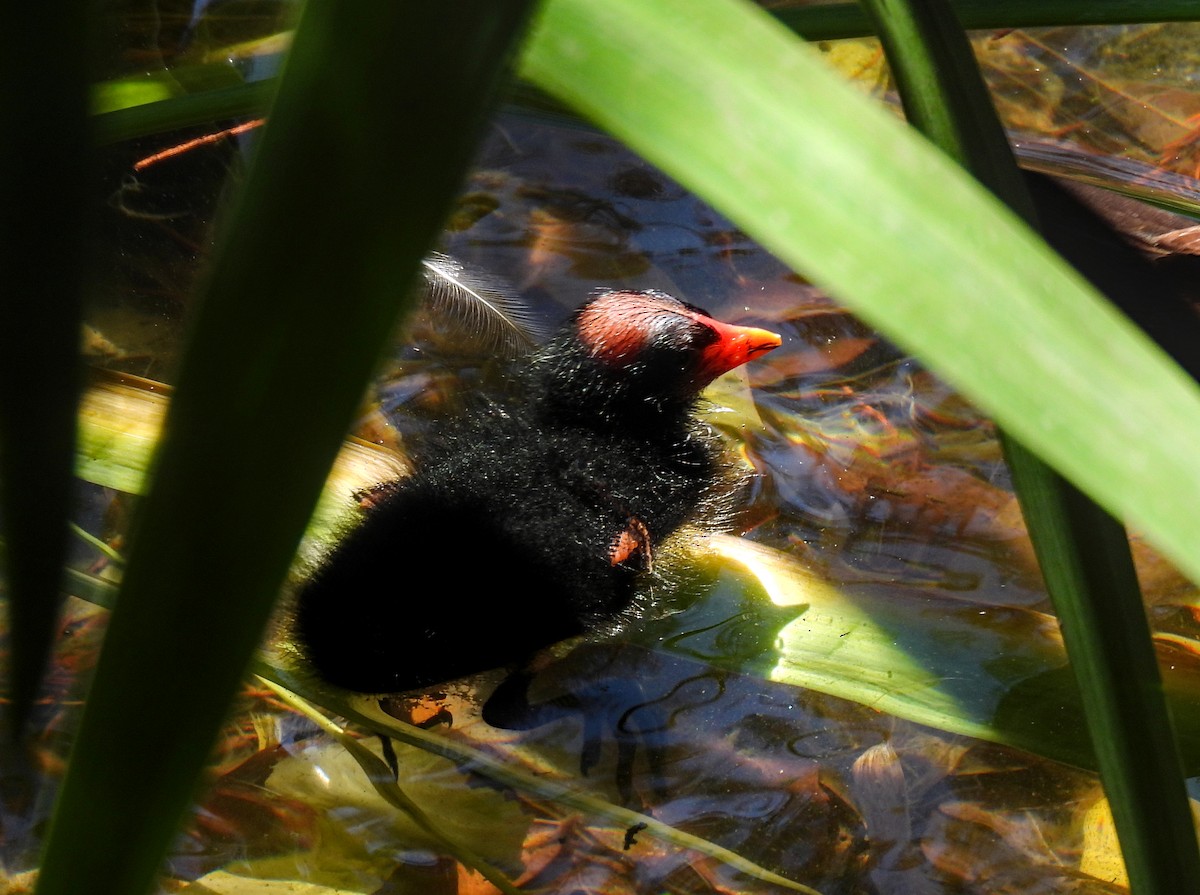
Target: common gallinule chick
[{"x": 530, "y": 521}]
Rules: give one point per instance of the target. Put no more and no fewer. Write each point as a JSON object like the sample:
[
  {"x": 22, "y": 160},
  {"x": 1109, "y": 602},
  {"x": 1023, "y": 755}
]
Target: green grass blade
[
  {"x": 869, "y": 210},
  {"x": 377, "y": 117},
  {"x": 1083, "y": 552},
  {"x": 43, "y": 180},
  {"x": 943, "y": 93},
  {"x": 1086, "y": 561},
  {"x": 183, "y": 111}
]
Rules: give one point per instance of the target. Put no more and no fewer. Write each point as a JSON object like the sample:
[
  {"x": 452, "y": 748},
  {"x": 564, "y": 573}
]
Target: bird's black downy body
[{"x": 530, "y": 521}]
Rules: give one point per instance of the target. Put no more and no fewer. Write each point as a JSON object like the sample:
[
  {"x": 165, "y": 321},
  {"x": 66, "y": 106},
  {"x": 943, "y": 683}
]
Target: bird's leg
[
  {"x": 442, "y": 716},
  {"x": 652, "y": 731},
  {"x": 389, "y": 755},
  {"x": 604, "y": 706},
  {"x": 509, "y": 707}
]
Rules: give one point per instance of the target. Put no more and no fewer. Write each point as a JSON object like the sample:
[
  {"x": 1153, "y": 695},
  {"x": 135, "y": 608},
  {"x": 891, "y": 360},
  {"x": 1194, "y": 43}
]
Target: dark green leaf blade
[
  {"x": 1086, "y": 561},
  {"x": 44, "y": 162},
  {"x": 344, "y": 198},
  {"x": 182, "y": 111},
  {"x": 1082, "y": 550}
]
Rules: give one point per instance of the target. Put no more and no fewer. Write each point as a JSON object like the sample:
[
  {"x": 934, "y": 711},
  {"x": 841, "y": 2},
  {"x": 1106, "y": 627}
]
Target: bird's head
[{"x": 625, "y": 350}]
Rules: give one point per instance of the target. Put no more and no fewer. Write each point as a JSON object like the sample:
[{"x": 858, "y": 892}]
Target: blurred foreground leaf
[
  {"x": 44, "y": 167},
  {"x": 343, "y": 200},
  {"x": 727, "y": 101}
]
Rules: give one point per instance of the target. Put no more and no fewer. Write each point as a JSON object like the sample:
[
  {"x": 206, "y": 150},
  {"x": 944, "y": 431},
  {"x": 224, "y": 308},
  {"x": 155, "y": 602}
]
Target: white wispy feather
[{"x": 481, "y": 303}]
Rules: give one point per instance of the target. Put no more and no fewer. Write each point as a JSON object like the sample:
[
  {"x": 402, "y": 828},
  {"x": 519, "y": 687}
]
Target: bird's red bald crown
[{"x": 624, "y": 329}]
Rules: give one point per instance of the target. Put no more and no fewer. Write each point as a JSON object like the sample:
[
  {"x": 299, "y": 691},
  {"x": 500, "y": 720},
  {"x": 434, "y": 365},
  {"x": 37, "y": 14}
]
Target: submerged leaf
[
  {"x": 996, "y": 673},
  {"x": 327, "y": 777}
]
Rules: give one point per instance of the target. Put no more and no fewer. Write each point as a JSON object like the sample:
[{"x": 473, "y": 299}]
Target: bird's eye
[{"x": 679, "y": 333}]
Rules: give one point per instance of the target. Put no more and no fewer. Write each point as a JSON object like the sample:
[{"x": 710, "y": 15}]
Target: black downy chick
[{"x": 530, "y": 522}]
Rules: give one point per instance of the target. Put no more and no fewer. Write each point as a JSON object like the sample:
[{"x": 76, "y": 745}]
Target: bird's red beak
[{"x": 736, "y": 345}]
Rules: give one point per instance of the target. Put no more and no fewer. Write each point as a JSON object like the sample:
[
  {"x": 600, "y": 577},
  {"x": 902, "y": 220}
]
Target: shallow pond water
[{"x": 700, "y": 751}]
